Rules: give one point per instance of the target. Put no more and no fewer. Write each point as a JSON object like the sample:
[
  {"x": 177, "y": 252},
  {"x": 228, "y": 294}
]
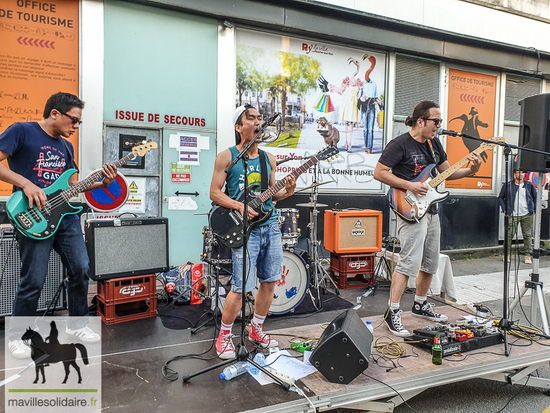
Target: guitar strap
[
  {"x": 432, "y": 149},
  {"x": 263, "y": 170}
]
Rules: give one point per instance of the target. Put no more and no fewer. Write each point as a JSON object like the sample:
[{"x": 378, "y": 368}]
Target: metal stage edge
[{"x": 368, "y": 397}]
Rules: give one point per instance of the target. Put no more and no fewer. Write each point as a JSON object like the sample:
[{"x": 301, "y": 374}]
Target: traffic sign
[{"x": 110, "y": 198}]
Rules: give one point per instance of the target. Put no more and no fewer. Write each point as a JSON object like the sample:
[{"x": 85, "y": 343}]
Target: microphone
[
  {"x": 267, "y": 122},
  {"x": 442, "y": 131}
]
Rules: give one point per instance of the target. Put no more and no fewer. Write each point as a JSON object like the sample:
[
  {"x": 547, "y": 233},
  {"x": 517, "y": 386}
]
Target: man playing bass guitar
[
  {"x": 37, "y": 155},
  {"x": 265, "y": 252},
  {"x": 406, "y": 157}
]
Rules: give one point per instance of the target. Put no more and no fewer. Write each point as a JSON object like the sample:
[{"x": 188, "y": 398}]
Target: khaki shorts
[{"x": 420, "y": 244}]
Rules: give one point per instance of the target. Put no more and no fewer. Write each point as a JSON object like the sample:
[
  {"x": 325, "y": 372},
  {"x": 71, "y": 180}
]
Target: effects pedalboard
[{"x": 458, "y": 338}]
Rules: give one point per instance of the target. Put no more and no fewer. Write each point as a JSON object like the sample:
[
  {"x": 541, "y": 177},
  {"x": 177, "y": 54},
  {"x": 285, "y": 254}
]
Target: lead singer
[
  {"x": 401, "y": 162},
  {"x": 265, "y": 251}
]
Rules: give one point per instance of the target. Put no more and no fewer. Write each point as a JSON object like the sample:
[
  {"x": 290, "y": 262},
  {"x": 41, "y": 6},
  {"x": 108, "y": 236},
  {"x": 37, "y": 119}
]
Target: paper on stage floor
[{"x": 287, "y": 364}]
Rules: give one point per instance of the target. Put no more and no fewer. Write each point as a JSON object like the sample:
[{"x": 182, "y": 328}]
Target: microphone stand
[
  {"x": 504, "y": 324},
  {"x": 242, "y": 353}
]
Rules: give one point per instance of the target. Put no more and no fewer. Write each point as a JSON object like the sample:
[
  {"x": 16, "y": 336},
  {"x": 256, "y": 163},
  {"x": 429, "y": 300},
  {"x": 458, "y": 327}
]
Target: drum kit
[{"x": 302, "y": 271}]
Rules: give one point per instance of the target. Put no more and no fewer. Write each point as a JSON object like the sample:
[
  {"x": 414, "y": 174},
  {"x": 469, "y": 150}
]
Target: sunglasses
[
  {"x": 74, "y": 119},
  {"x": 437, "y": 121}
]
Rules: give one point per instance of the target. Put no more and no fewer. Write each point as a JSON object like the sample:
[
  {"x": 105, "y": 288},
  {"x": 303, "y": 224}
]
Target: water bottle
[
  {"x": 369, "y": 327},
  {"x": 258, "y": 358},
  {"x": 235, "y": 370}
]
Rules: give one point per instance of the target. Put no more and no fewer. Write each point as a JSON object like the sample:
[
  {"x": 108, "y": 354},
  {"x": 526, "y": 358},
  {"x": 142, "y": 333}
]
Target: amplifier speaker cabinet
[
  {"x": 126, "y": 247},
  {"x": 353, "y": 231},
  {"x": 10, "y": 263},
  {"x": 344, "y": 349}
]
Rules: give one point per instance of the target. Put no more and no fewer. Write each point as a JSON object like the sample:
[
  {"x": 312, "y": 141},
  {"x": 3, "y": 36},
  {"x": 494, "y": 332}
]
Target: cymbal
[
  {"x": 311, "y": 205},
  {"x": 314, "y": 185}
]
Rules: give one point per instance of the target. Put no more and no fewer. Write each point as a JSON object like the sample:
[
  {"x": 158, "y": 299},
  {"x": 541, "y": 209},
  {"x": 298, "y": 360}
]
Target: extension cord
[{"x": 281, "y": 376}]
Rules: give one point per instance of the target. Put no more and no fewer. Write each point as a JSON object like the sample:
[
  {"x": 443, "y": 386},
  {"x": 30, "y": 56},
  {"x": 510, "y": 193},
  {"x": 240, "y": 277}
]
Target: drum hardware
[
  {"x": 288, "y": 224},
  {"x": 312, "y": 205},
  {"x": 315, "y": 185}
]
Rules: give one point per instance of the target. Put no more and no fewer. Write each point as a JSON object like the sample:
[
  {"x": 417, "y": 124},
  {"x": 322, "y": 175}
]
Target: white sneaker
[
  {"x": 19, "y": 349},
  {"x": 85, "y": 334}
]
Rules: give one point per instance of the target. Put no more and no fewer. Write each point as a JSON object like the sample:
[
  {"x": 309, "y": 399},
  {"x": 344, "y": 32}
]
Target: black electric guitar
[
  {"x": 227, "y": 224},
  {"x": 42, "y": 223}
]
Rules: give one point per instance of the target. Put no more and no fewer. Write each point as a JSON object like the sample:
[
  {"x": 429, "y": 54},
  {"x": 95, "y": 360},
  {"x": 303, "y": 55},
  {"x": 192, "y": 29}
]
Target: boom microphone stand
[
  {"x": 242, "y": 353},
  {"x": 505, "y": 324}
]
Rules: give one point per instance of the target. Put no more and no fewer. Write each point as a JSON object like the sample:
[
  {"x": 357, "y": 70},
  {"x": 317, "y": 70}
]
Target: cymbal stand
[{"x": 320, "y": 275}]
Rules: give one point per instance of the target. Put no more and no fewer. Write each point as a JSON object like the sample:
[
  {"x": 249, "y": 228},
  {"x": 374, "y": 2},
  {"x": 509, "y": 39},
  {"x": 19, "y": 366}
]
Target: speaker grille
[{"x": 10, "y": 267}]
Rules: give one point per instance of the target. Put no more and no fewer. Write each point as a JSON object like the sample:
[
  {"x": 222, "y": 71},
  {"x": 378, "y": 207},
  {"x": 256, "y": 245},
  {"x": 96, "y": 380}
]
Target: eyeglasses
[
  {"x": 437, "y": 121},
  {"x": 74, "y": 119}
]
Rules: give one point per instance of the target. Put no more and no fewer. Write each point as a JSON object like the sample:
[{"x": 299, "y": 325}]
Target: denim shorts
[
  {"x": 419, "y": 245},
  {"x": 264, "y": 258}
]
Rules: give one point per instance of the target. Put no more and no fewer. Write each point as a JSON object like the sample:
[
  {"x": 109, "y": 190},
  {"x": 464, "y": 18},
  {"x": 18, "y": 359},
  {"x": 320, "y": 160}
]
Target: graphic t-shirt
[
  {"x": 235, "y": 179},
  {"x": 35, "y": 155},
  {"x": 407, "y": 157}
]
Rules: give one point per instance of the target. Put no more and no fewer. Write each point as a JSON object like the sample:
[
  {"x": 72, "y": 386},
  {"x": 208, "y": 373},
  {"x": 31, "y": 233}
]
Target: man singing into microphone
[
  {"x": 264, "y": 256},
  {"x": 406, "y": 156}
]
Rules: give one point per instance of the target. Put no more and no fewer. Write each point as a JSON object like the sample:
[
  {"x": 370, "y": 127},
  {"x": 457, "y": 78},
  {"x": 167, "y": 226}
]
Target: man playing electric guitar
[
  {"x": 406, "y": 156},
  {"x": 265, "y": 251},
  {"x": 37, "y": 155}
]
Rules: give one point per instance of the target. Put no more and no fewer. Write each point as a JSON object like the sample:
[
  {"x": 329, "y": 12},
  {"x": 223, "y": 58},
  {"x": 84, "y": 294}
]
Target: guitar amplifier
[
  {"x": 126, "y": 247},
  {"x": 353, "y": 231},
  {"x": 10, "y": 261}
]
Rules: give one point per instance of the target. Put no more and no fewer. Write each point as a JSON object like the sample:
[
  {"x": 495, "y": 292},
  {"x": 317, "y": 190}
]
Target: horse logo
[{"x": 54, "y": 352}]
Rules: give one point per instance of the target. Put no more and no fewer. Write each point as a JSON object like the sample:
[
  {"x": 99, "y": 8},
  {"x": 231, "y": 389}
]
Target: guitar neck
[
  {"x": 268, "y": 193},
  {"x": 445, "y": 174},
  {"x": 93, "y": 178}
]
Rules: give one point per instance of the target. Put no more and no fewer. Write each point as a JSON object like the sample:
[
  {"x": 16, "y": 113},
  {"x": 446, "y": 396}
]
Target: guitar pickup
[
  {"x": 24, "y": 220},
  {"x": 236, "y": 217}
]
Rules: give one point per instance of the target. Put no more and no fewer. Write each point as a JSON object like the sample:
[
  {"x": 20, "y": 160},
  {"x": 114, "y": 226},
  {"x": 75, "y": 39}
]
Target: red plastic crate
[
  {"x": 352, "y": 270},
  {"x": 127, "y": 309},
  {"x": 134, "y": 288}
]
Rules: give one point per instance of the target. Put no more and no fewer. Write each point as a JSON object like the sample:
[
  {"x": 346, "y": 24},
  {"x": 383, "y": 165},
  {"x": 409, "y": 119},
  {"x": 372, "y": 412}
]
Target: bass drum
[{"x": 291, "y": 289}]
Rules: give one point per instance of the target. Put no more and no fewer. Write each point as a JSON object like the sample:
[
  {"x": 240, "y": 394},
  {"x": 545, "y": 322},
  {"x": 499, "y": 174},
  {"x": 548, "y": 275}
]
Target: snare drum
[
  {"x": 213, "y": 250},
  {"x": 291, "y": 289},
  {"x": 288, "y": 223}
]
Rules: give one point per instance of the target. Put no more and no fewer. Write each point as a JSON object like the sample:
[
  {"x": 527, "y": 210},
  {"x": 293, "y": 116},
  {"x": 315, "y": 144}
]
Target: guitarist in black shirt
[
  {"x": 265, "y": 252},
  {"x": 403, "y": 159}
]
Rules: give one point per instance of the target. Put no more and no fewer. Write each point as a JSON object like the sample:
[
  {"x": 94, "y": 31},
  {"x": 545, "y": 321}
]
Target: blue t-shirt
[
  {"x": 36, "y": 155},
  {"x": 235, "y": 179}
]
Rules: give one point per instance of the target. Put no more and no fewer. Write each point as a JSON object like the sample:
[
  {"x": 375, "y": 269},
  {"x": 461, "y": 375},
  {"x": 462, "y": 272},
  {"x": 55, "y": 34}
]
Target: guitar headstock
[
  {"x": 141, "y": 150},
  {"x": 327, "y": 152},
  {"x": 485, "y": 146}
]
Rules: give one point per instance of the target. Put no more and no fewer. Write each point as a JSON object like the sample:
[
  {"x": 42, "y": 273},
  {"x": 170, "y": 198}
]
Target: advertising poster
[
  {"x": 326, "y": 94},
  {"x": 38, "y": 57},
  {"x": 472, "y": 98}
]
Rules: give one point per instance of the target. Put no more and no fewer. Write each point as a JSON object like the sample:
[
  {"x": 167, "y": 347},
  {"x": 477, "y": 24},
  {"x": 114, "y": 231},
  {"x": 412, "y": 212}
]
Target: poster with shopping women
[{"x": 326, "y": 94}]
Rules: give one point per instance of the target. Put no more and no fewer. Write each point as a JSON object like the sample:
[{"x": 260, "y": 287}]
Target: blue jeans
[
  {"x": 265, "y": 257},
  {"x": 368, "y": 127},
  {"x": 68, "y": 241}
]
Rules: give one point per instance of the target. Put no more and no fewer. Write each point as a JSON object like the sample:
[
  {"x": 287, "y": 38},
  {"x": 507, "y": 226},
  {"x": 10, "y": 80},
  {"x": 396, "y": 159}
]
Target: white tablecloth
[{"x": 442, "y": 282}]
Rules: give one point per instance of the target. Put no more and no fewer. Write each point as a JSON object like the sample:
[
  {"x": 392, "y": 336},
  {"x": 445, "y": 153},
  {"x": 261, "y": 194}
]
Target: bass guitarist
[
  {"x": 402, "y": 160},
  {"x": 37, "y": 155},
  {"x": 265, "y": 252}
]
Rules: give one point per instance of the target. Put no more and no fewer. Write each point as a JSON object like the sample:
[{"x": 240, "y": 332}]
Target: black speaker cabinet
[
  {"x": 126, "y": 247},
  {"x": 344, "y": 349},
  {"x": 10, "y": 261},
  {"x": 534, "y": 133}
]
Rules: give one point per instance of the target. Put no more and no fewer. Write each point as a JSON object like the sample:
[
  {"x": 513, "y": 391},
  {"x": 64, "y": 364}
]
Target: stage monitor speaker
[
  {"x": 353, "y": 231},
  {"x": 10, "y": 264},
  {"x": 126, "y": 247},
  {"x": 534, "y": 133},
  {"x": 344, "y": 349}
]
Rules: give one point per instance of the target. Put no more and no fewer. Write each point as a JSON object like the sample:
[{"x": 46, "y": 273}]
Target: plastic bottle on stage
[
  {"x": 258, "y": 358},
  {"x": 234, "y": 370},
  {"x": 369, "y": 327},
  {"x": 437, "y": 351}
]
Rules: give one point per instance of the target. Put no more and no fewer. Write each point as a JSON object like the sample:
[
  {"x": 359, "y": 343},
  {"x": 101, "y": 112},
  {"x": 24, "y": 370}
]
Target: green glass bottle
[{"x": 437, "y": 351}]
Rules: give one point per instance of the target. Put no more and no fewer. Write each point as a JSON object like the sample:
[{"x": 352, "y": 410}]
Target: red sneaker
[
  {"x": 224, "y": 346},
  {"x": 257, "y": 335}
]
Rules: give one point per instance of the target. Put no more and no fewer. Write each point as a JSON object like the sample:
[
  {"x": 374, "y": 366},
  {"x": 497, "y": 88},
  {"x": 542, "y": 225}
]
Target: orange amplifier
[{"x": 353, "y": 231}]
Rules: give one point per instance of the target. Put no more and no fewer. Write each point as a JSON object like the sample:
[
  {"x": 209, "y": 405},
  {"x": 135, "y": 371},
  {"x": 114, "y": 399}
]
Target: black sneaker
[
  {"x": 393, "y": 321},
  {"x": 426, "y": 310}
]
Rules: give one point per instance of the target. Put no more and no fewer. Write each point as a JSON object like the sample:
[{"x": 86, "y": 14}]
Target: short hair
[
  {"x": 63, "y": 102},
  {"x": 421, "y": 111}
]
